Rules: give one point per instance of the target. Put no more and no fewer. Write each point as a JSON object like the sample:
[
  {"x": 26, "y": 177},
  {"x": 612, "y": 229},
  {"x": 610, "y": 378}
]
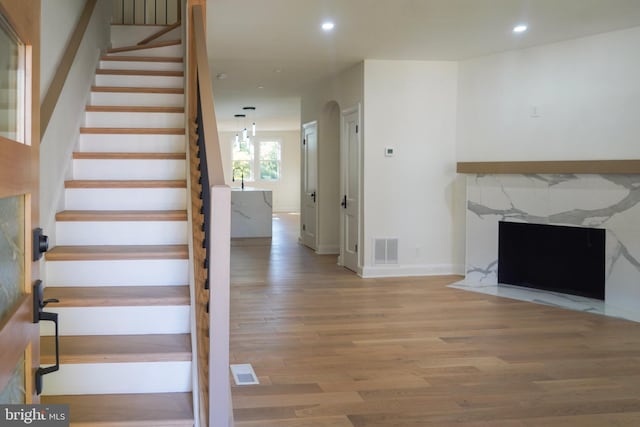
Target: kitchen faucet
[{"x": 233, "y": 177}]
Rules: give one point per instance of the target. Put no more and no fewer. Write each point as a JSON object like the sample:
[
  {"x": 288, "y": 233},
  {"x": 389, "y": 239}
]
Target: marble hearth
[{"x": 611, "y": 202}]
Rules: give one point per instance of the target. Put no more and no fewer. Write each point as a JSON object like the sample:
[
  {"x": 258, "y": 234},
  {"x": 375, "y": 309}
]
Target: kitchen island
[{"x": 251, "y": 212}]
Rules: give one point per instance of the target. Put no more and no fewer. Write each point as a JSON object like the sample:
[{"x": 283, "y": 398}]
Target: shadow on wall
[{"x": 329, "y": 179}]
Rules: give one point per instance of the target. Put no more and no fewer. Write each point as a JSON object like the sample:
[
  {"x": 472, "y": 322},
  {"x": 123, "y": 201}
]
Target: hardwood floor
[{"x": 333, "y": 350}]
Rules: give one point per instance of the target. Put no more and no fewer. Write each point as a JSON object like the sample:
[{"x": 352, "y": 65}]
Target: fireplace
[{"x": 556, "y": 258}]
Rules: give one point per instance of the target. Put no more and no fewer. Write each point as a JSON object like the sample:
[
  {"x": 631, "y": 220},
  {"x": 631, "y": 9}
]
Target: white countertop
[{"x": 248, "y": 189}]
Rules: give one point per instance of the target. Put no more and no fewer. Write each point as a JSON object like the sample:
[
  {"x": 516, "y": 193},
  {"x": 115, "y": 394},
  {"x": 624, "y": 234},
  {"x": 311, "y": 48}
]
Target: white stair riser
[
  {"x": 139, "y": 81},
  {"x": 102, "y": 143},
  {"x": 134, "y": 320},
  {"x": 141, "y": 65},
  {"x": 175, "y": 34},
  {"x": 121, "y": 233},
  {"x": 154, "y": 272},
  {"x": 129, "y": 169},
  {"x": 110, "y": 378},
  {"x": 130, "y": 35},
  {"x": 137, "y": 99},
  {"x": 125, "y": 198},
  {"x": 142, "y": 120},
  {"x": 175, "y": 50}
]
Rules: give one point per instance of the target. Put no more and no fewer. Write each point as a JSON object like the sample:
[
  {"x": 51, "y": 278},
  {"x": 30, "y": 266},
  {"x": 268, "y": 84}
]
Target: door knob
[{"x": 313, "y": 196}]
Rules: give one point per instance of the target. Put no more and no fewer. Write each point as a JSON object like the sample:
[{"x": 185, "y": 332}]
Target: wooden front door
[{"x": 19, "y": 197}]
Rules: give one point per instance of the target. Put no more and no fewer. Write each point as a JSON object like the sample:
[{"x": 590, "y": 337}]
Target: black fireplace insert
[{"x": 556, "y": 258}]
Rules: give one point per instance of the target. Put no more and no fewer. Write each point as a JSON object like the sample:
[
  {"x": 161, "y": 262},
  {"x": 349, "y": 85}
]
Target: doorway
[
  {"x": 350, "y": 186},
  {"x": 309, "y": 187}
]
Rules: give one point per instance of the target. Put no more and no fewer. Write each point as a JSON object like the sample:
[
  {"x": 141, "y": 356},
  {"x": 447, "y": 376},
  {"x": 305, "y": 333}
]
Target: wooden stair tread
[
  {"x": 117, "y": 252},
  {"x": 142, "y": 58},
  {"x": 128, "y": 410},
  {"x": 128, "y": 156},
  {"x": 144, "y": 47},
  {"x": 118, "y": 296},
  {"x": 117, "y": 348},
  {"x": 132, "y": 109},
  {"x": 75, "y": 215},
  {"x": 132, "y": 89},
  {"x": 141, "y": 183},
  {"x": 157, "y": 73},
  {"x": 132, "y": 131}
]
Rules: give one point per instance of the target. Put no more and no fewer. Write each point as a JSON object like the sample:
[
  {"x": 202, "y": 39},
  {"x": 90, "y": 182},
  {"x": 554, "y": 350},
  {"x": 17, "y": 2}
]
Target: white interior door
[
  {"x": 350, "y": 203},
  {"x": 309, "y": 215}
]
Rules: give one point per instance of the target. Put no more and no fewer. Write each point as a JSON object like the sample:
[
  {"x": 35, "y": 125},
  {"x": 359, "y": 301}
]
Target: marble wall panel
[{"x": 611, "y": 202}]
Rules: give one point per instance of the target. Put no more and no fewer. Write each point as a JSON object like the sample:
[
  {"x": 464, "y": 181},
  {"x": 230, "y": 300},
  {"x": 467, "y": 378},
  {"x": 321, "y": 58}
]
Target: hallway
[{"x": 334, "y": 350}]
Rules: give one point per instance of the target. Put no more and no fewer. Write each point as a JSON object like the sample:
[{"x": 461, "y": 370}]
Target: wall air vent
[{"x": 385, "y": 251}]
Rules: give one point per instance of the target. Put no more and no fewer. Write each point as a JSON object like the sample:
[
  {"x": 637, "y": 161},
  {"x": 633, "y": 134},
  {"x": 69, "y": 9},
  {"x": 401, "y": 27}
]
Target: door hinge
[
  {"x": 304, "y": 227},
  {"x": 357, "y": 128},
  {"x": 356, "y": 248},
  {"x": 304, "y": 141}
]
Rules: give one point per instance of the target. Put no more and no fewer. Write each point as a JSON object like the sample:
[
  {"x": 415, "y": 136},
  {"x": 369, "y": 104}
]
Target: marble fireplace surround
[{"x": 589, "y": 194}]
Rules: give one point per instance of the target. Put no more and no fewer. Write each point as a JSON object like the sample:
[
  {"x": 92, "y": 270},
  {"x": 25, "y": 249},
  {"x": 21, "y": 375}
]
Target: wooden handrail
[
  {"x": 214, "y": 157},
  {"x": 211, "y": 229},
  {"x": 55, "y": 89}
]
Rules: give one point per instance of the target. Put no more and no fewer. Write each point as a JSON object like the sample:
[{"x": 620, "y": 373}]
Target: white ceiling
[{"x": 278, "y": 44}]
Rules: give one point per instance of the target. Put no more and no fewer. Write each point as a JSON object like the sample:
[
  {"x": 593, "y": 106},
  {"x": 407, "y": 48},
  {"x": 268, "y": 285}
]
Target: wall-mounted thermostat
[{"x": 388, "y": 151}]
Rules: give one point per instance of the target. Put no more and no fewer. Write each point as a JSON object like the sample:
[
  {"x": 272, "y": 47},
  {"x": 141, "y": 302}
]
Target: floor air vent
[
  {"x": 244, "y": 374},
  {"x": 386, "y": 251}
]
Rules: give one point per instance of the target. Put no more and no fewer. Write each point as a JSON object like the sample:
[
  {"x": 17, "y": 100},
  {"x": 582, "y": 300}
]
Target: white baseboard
[
  {"x": 285, "y": 209},
  {"x": 328, "y": 250},
  {"x": 411, "y": 270}
]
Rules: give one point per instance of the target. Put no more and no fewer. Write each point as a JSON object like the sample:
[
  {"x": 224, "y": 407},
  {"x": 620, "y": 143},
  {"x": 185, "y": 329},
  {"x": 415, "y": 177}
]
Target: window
[
  {"x": 243, "y": 160},
  {"x": 12, "y": 85},
  {"x": 270, "y": 160},
  {"x": 261, "y": 159}
]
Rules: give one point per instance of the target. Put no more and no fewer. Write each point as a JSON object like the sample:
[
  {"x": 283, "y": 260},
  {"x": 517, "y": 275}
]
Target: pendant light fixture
[
  {"x": 240, "y": 118},
  {"x": 251, "y": 111}
]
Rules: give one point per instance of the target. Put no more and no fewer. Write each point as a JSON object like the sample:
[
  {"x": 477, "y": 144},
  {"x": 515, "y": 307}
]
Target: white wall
[
  {"x": 415, "y": 195},
  {"x": 347, "y": 91},
  {"x": 286, "y": 191},
  {"x": 586, "y": 90},
  {"x": 59, "y": 19}
]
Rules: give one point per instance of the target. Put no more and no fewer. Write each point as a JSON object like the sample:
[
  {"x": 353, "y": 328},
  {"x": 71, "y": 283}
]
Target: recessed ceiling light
[
  {"x": 521, "y": 28},
  {"x": 260, "y": 87},
  {"x": 328, "y": 26}
]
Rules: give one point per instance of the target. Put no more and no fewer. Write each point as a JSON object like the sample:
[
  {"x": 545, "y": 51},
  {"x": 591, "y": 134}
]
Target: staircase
[{"x": 120, "y": 265}]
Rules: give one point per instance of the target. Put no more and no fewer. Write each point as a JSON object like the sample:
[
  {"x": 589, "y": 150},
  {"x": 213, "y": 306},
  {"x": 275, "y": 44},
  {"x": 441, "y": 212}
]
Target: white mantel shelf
[{"x": 552, "y": 167}]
